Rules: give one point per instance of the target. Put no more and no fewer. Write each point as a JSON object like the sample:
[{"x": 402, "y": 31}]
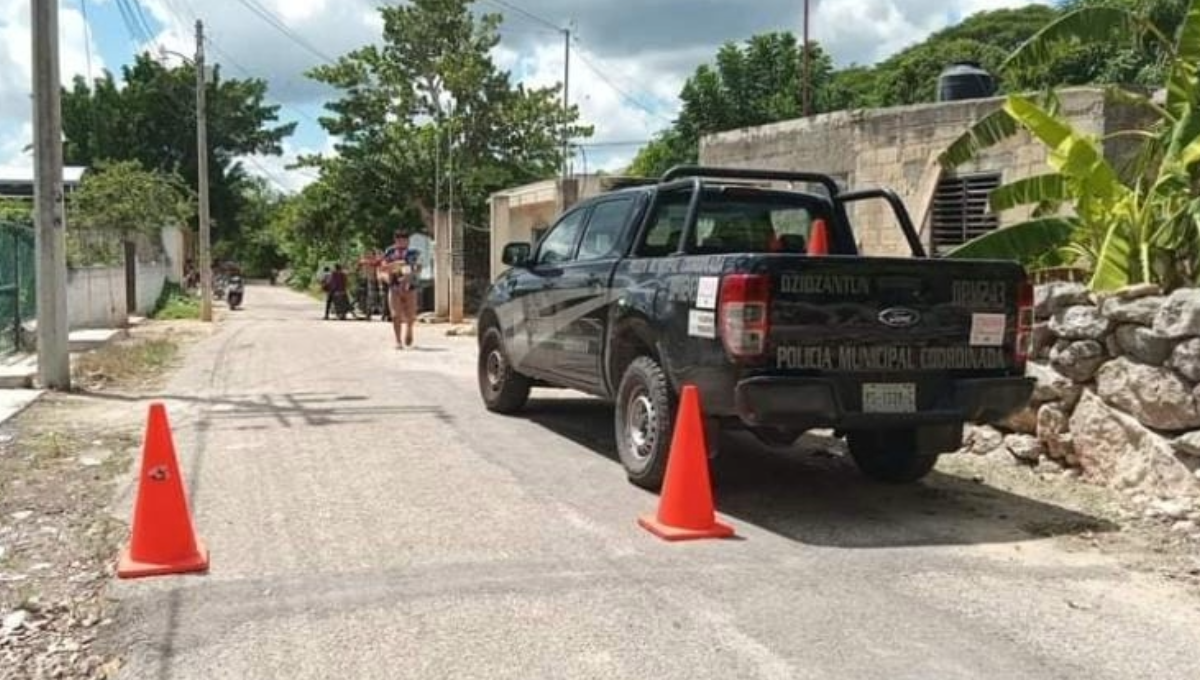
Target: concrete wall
[
  {"x": 96, "y": 298},
  {"x": 174, "y": 245},
  {"x": 897, "y": 148},
  {"x": 516, "y": 212},
  {"x": 151, "y": 277}
]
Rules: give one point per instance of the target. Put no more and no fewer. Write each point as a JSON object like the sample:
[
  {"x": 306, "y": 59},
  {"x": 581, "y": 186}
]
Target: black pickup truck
[{"x": 706, "y": 278}]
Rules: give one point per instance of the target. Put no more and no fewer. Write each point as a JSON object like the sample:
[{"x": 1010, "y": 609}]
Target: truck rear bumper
[{"x": 807, "y": 403}]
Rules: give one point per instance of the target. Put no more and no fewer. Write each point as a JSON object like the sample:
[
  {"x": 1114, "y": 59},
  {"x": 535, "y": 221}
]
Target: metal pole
[
  {"x": 54, "y": 360},
  {"x": 807, "y": 72},
  {"x": 206, "y": 282},
  {"x": 566, "y": 96}
]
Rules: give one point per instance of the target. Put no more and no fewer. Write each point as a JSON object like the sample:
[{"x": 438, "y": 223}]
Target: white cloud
[
  {"x": 866, "y": 31},
  {"x": 16, "y": 59},
  {"x": 648, "y": 53}
]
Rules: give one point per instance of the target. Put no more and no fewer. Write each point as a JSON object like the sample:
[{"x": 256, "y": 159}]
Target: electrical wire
[
  {"x": 504, "y": 4},
  {"x": 273, "y": 20},
  {"x": 618, "y": 89}
]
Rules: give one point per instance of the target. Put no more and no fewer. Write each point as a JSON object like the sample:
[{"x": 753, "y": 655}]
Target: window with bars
[{"x": 960, "y": 210}]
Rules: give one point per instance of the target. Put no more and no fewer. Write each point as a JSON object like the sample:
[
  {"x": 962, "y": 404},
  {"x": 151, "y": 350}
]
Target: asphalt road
[{"x": 368, "y": 519}]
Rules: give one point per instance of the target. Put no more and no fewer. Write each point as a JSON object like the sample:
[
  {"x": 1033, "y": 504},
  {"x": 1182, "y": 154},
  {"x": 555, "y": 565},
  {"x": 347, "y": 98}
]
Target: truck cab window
[
  {"x": 604, "y": 229},
  {"x": 666, "y": 225},
  {"x": 558, "y": 246}
]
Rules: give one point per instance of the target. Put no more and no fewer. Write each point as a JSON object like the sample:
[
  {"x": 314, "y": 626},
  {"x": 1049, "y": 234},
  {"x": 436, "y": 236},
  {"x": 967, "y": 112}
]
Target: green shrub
[{"x": 176, "y": 303}]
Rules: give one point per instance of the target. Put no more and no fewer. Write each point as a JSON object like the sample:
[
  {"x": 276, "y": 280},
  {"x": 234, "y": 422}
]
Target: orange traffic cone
[
  {"x": 818, "y": 239},
  {"x": 685, "y": 509},
  {"x": 163, "y": 541}
]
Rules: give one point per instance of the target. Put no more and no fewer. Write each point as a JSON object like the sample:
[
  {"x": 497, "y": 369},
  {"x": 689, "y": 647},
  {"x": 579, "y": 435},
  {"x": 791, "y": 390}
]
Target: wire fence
[{"x": 18, "y": 283}]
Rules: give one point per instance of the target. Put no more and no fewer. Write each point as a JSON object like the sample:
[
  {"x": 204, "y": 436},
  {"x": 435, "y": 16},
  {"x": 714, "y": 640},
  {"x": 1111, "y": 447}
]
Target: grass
[
  {"x": 175, "y": 304},
  {"x": 126, "y": 362}
]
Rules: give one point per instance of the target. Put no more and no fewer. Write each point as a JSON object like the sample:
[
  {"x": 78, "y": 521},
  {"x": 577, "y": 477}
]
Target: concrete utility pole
[
  {"x": 566, "y": 98},
  {"x": 54, "y": 359},
  {"x": 206, "y": 282}
]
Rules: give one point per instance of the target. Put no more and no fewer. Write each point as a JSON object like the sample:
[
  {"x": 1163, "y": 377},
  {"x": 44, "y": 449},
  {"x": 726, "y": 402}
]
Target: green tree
[
  {"x": 150, "y": 118},
  {"x": 429, "y": 91},
  {"x": 1124, "y": 227},
  {"x": 751, "y": 84},
  {"x": 123, "y": 198}
]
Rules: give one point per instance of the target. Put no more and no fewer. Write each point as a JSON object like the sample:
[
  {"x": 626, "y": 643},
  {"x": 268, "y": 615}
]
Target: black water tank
[{"x": 965, "y": 80}]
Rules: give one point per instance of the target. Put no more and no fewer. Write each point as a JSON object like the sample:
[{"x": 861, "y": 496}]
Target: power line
[
  {"x": 140, "y": 16},
  {"x": 618, "y": 89},
  {"x": 527, "y": 14},
  {"x": 87, "y": 39},
  {"x": 278, "y": 24}
]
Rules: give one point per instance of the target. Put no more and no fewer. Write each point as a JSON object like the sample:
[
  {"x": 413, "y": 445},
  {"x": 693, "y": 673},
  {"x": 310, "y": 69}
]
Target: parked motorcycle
[{"x": 235, "y": 292}]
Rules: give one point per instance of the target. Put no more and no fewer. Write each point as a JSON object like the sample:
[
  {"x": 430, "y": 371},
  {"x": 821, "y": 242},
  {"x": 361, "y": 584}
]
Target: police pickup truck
[{"x": 748, "y": 284}]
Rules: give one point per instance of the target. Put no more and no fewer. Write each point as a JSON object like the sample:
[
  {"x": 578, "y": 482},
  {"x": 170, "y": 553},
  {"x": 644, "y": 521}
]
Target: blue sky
[{"x": 625, "y": 73}]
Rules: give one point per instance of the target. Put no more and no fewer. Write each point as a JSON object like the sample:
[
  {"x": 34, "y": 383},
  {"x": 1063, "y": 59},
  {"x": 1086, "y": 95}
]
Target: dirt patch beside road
[{"x": 59, "y": 464}]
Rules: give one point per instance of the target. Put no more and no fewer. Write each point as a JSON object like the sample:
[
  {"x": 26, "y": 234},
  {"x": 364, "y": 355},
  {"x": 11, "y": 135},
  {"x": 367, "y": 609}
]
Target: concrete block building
[{"x": 898, "y": 148}]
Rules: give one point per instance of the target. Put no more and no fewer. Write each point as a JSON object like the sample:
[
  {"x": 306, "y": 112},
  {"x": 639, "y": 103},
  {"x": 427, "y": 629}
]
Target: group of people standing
[{"x": 395, "y": 270}]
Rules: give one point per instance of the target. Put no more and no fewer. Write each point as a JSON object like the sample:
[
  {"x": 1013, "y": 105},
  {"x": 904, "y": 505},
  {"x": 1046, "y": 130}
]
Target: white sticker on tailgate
[
  {"x": 706, "y": 292},
  {"x": 702, "y": 324},
  {"x": 987, "y": 330}
]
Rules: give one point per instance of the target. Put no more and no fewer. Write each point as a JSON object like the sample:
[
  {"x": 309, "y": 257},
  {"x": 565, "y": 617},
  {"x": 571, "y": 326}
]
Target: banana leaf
[
  {"x": 1036, "y": 242},
  {"x": 1185, "y": 64},
  {"x": 1039, "y": 190}
]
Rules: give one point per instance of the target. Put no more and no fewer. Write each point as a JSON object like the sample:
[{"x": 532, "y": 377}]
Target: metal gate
[{"x": 18, "y": 283}]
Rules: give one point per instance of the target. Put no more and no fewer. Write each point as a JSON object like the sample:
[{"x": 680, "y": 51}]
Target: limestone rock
[
  {"x": 1155, "y": 396},
  {"x": 1021, "y": 422},
  {"x": 1142, "y": 344},
  {"x": 1051, "y": 385},
  {"x": 1116, "y": 450},
  {"x": 1186, "y": 359},
  {"x": 1140, "y": 311},
  {"x": 1188, "y": 444},
  {"x": 1053, "y": 297},
  {"x": 1078, "y": 360},
  {"x": 1080, "y": 322},
  {"x": 1135, "y": 291},
  {"x": 1052, "y": 423},
  {"x": 982, "y": 440},
  {"x": 1180, "y": 314},
  {"x": 1024, "y": 447}
]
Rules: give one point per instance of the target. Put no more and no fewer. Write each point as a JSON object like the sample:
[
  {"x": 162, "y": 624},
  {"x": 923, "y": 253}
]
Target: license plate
[{"x": 889, "y": 397}]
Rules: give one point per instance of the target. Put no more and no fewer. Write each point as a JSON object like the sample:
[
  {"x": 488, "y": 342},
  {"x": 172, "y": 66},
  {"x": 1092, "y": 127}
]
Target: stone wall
[{"x": 1118, "y": 390}]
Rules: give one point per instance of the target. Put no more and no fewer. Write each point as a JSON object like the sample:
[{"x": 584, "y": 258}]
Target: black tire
[
  {"x": 502, "y": 388},
  {"x": 890, "y": 456},
  {"x": 645, "y": 420}
]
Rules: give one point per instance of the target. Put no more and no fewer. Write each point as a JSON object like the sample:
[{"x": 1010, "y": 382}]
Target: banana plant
[{"x": 1143, "y": 225}]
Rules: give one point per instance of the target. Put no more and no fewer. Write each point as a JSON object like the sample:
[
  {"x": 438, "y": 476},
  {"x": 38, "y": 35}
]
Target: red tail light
[
  {"x": 744, "y": 314},
  {"x": 1024, "y": 340}
]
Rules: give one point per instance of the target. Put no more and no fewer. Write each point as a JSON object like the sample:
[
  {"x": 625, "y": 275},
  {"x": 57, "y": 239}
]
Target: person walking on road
[
  {"x": 334, "y": 283},
  {"x": 403, "y": 267}
]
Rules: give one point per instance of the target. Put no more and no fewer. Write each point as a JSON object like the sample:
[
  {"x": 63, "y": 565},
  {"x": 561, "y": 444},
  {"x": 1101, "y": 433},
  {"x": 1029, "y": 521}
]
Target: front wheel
[
  {"x": 645, "y": 419},
  {"x": 890, "y": 456},
  {"x": 502, "y": 388}
]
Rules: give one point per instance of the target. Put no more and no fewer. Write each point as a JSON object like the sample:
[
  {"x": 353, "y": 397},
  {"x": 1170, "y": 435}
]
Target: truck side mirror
[{"x": 515, "y": 254}]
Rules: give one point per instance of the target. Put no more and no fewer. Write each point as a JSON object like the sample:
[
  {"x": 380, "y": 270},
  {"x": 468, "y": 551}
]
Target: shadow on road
[
  {"x": 814, "y": 495},
  {"x": 298, "y": 409}
]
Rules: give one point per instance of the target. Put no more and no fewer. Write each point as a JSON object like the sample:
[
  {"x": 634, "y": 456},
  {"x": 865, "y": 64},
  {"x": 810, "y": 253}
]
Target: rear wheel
[
  {"x": 502, "y": 388},
  {"x": 890, "y": 456},
  {"x": 644, "y": 420}
]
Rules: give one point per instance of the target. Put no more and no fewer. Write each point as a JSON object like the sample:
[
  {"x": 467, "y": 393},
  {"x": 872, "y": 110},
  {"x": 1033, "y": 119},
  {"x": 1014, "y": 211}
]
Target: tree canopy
[
  {"x": 150, "y": 119},
  {"x": 429, "y": 97},
  {"x": 758, "y": 82}
]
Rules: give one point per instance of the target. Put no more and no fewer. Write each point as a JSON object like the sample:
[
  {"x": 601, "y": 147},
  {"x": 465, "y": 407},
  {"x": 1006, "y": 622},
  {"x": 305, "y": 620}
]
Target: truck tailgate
[{"x": 843, "y": 315}]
